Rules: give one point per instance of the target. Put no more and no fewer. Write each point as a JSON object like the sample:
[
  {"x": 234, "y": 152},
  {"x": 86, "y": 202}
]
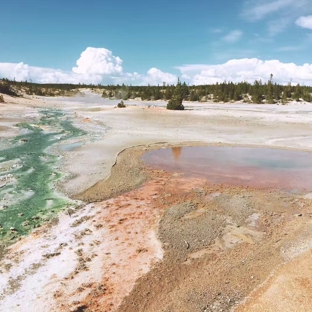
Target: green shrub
[
  {"x": 175, "y": 104},
  {"x": 121, "y": 104},
  {"x": 6, "y": 88}
]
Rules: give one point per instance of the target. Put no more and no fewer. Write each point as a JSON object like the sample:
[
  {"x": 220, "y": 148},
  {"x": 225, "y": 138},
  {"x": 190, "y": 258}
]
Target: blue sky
[{"x": 194, "y": 40}]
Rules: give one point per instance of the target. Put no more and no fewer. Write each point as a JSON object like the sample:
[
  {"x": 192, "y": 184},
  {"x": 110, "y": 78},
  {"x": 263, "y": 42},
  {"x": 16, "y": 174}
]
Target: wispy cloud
[
  {"x": 278, "y": 14},
  {"x": 258, "y": 10},
  {"x": 217, "y": 31},
  {"x": 305, "y": 21},
  {"x": 305, "y": 44},
  {"x": 232, "y": 53},
  {"x": 289, "y": 48},
  {"x": 278, "y": 25},
  {"x": 233, "y": 36}
]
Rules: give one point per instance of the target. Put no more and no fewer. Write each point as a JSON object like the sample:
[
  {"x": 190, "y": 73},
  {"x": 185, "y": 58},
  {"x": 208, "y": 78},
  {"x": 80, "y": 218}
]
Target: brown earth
[
  {"x": 215, "y": 254},
  {"x": 221, "y": 243}
]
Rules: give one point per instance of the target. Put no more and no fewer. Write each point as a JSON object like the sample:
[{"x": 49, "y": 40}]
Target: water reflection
[
  {"x": 258, "y": 167},
  {"x": 176, "y": 151}
]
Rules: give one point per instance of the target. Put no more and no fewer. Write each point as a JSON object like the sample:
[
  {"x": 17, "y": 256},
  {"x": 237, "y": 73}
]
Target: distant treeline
[
  {"x": 12, "y": 87},
  {"x": 258, "y": 92}
]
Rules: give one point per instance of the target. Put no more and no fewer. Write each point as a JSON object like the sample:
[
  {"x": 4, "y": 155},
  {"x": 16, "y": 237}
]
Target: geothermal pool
[
  {"x": 246, "y": 166},
  {"x": 28, "y": 172}
]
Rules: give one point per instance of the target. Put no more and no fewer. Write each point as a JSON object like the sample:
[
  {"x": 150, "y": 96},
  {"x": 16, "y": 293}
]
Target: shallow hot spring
[{"x": 246, "y": 166}]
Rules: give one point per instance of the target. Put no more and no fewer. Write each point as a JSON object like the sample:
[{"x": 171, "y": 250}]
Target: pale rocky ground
[{"x": 97, "y": 250}]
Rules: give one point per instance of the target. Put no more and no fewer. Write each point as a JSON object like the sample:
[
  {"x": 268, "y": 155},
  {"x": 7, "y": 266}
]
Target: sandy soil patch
[{"x": 287, "y": 289}]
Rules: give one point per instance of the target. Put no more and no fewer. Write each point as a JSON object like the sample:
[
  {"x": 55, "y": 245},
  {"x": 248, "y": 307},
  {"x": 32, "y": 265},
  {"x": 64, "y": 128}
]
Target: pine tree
[
  {"x": 194, "y": 96},
  {"x": 237, "y": 95},
  {"x": 157, "y": 94},
  {"x": 276, "y": 92},
  {"x": 298, "y": 93},
  {"x": 257, "y": 92},
  {"x": 307, "y": 96},
  {"x": 269, "y": 93},
  {"x": 175, "y": 103},
  {"x": 284, "y": 98}
]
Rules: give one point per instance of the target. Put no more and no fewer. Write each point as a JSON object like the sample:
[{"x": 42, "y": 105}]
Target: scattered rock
[
  {"x": 79, "y": 221},
  {"x": 52, "y": 254}
]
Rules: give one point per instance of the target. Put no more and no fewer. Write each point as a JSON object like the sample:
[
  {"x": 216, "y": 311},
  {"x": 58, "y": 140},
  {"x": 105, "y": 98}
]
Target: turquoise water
[
  {"x": 246, "y": 166},
  {"x": 70, "y": 146},
  {"x": 28, "y": 174}
]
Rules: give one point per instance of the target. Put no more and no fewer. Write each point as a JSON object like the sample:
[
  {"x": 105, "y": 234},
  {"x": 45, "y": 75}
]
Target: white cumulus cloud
[
  {"x": 305, "y": 21},
  {"x": 156, "y": 76},
  {"x": 98, "y": 61},
  {"x": 22, "y": 72},
  {"x": 95, "y": 65},
  {"x": 153, "y": 77},
  {"x": 249, "y": 70},
  {"x": 101, "y": 66}
]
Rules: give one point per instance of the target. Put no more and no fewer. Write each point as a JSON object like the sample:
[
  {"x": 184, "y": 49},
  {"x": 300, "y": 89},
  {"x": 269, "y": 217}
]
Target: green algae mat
[{"x": 28, "y": 173}]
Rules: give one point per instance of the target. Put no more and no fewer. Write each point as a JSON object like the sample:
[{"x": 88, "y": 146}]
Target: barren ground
[{"x": 148, "y": 240}]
